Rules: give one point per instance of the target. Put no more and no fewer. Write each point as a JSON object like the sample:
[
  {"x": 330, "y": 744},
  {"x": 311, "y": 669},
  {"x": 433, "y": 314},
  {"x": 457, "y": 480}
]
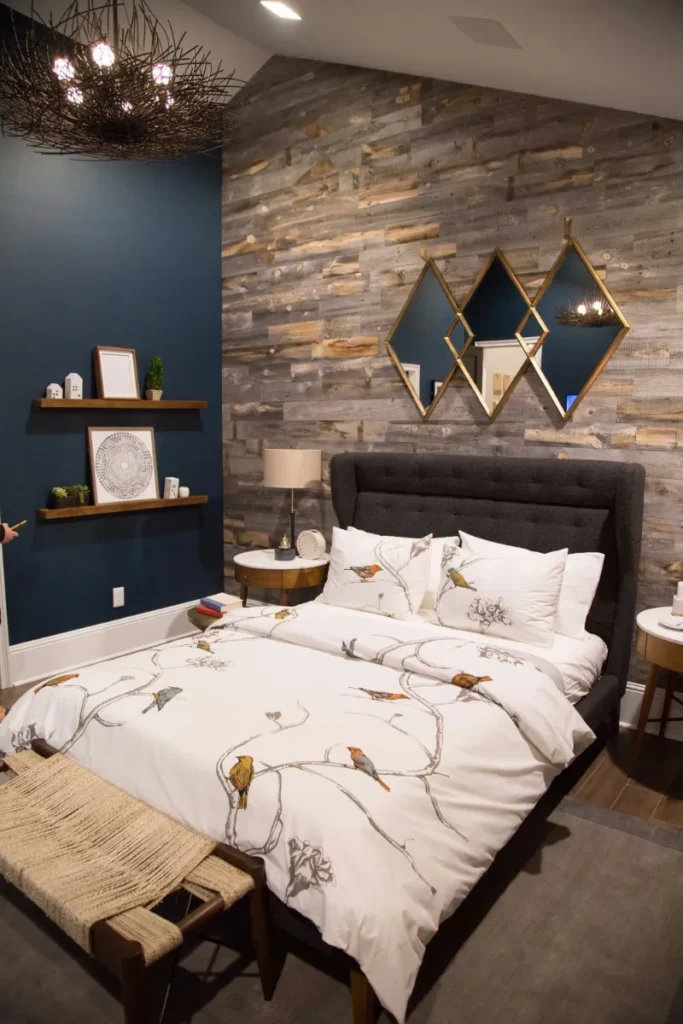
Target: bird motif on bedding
[
  {"x": 161, "y": 699},
  {"x": 363, "y": 763},
  {"x": 458, "y": 580},
  {"x": 57, "y": 681},
  {"x": 241, "y": 775},
  {"x": 467, "y": 680},
  {"x": 285, "y": 613},
  {"x": 382, "y": 695},
  {"x": 204, "y": 645},
  {"x": 365, "y": 572}
]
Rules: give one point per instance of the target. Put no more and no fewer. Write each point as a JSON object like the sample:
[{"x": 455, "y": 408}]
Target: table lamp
[{"x": 292, "y": 468}]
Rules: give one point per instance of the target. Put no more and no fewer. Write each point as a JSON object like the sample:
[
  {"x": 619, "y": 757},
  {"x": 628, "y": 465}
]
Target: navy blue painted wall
[{"x": 120, "y": 254}]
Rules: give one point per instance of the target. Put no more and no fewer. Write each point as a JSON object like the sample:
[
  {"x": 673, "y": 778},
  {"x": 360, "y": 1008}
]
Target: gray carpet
[{"x": 590, "y": 931}]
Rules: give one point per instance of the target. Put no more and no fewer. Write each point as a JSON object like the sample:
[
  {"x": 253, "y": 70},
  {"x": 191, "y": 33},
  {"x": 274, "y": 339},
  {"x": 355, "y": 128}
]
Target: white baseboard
[
  {"x": 630, "y": 709},
  {"x": 51, "y": 655}
]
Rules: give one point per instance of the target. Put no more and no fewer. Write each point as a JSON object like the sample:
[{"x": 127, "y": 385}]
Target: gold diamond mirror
[
  {"x": 496, "y": 310},
  {"x": 585, "y": 327},
  {"x": 567, "y": 334},
  {"x": 424, "y": 357}
]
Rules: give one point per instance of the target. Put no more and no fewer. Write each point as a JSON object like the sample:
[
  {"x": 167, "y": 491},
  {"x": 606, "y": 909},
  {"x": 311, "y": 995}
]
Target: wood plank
[
  {"x": 116, "y": 403},
  {"x": 637, "y": 801},
  {"x": 114, "y": 507}
]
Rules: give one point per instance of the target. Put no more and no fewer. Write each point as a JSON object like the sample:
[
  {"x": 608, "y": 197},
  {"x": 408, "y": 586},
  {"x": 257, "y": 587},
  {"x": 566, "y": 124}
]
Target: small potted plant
[
  {"x": 154, "y": 381},
  {"x": 69, "y": 497}
]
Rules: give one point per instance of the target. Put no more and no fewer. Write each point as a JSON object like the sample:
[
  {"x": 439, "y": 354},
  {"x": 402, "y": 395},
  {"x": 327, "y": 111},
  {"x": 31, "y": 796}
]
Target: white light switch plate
[{"x": 119, "y": 596}]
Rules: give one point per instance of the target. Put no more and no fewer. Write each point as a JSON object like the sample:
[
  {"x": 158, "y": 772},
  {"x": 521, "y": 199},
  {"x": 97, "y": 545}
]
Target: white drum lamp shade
[{"x": 293, "y": 468}]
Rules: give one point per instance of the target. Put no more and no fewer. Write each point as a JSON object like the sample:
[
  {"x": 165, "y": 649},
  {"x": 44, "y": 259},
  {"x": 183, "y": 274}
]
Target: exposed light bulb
[
  {"x": 103, "y": 55},
  {"x": 126, "y": 106},
  {"x": 162, "y": 74},
  {"x": 74, "y": 95},
  {"x": 597, "y": 306},
  {"x": 280, "y": 10},
  {"x": 63, "y": 69},
  {"x": 582, "y": 309}
]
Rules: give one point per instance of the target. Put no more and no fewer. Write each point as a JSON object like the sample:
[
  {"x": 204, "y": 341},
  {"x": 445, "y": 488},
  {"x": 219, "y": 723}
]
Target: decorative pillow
[
  {"x": 579, "y": 584},
  {"x": 511, "y": 598},
  {"x": 387, "y": 575},
  {"x": 436, "y": 550}
]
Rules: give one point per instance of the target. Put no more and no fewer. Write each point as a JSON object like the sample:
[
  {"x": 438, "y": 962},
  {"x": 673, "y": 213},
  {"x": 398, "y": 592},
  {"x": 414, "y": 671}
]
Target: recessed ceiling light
[{"x": 280, "y": 10}]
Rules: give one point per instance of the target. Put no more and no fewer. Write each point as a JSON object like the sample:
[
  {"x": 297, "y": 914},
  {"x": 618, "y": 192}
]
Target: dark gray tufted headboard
[{"x": 532, "y": 503}]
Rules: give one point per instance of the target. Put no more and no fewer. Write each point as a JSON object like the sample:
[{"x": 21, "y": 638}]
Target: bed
[{"x": 248, "y": 733}]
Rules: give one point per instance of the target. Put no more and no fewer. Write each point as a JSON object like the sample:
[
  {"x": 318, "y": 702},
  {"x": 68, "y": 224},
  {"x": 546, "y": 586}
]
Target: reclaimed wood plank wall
[{"x": 338, "y": 181}]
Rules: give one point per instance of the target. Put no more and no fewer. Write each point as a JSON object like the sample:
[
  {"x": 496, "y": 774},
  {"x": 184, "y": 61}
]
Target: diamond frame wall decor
[{"x": 459, "y": 318}]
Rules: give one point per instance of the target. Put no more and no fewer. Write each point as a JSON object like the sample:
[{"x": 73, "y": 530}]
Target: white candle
[{"x": 679, "y": 590}]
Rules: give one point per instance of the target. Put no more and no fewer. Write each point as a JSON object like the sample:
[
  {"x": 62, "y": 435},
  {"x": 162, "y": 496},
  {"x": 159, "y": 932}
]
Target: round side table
[
  {"x": 663, "y": 648},
  {"x": 262, "y": 569}
]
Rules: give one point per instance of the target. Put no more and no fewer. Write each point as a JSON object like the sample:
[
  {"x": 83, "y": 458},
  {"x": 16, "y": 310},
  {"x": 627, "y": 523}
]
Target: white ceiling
[{"x": 626, "y": 54}]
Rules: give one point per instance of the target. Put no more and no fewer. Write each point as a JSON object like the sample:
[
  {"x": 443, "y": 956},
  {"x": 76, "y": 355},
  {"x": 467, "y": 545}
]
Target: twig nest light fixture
[{"x": 109, "y": 80}]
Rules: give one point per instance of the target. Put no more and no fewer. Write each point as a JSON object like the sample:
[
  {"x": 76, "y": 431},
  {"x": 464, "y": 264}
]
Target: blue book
[{"x": 209, "y": 602}]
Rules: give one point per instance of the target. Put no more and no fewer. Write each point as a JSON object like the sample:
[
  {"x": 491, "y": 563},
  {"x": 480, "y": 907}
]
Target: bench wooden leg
[
  {"x": 133, "y": 990},
  {"x": 363, "y": 999},
  {"x": 262, "y": 940}
]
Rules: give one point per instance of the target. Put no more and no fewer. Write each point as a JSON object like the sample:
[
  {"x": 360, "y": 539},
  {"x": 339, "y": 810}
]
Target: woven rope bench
[{"x": 96, "y": 862}]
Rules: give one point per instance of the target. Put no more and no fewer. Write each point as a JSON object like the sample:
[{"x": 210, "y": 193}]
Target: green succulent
[{"x": 154, "y": 381}]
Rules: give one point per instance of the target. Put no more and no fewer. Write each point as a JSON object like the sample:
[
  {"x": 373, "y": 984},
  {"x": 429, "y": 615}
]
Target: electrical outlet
[{"x": 119, "y": 596}]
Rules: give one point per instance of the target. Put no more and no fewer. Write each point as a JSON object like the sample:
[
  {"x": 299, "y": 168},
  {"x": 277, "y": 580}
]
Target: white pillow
[
  {"x": 512, "y": 598},
  {"x": 387, "y": 575},
  {"x": 436, "y": 549},
  {"x": 580, "y": 582}
]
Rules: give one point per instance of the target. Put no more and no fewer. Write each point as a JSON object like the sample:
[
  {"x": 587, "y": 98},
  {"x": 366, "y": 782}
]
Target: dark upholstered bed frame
[{"x": 532, "y": 503}]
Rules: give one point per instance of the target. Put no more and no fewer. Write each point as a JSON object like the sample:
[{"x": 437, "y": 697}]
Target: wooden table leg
[
  {"x": 363, "y": 999},
  {"x": 668, "y": 697},
  {"x": 244, "y": 590},
  {"x": 284, "y": 598},
  {"x": 650, "y": 687}
]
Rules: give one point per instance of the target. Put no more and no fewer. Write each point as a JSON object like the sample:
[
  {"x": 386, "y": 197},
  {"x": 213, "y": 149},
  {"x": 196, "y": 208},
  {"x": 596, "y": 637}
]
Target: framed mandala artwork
[{"x": 123, "y": 464}]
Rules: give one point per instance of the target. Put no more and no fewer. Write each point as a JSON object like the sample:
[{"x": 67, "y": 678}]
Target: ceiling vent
[{"x": 486, "y": 32}]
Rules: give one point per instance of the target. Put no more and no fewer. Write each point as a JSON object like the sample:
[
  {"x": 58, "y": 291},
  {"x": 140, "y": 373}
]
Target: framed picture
[
  {"x": 116, "y": 372},
  {"x": 436, "y": 387},
  {"x": 123, "y": 464}
]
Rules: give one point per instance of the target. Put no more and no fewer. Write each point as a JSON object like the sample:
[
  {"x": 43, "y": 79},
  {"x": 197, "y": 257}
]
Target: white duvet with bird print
[{"x": 377, "y": 766}]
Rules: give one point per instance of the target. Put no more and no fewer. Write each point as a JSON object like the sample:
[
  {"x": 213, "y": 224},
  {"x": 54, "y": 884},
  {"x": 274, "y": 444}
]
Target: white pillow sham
[
  {"x": 512, "y": 598},
  {"x": 386, "y": 575},
  {"x": 436, "y": 551},
  {"x": 579, "y": 584}
]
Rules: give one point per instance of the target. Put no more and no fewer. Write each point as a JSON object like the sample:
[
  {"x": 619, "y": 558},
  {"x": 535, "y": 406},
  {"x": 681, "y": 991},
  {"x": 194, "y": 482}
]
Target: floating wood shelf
[
  {"x": 115, "y": 403},
  {"x": 121, "y": 506}
]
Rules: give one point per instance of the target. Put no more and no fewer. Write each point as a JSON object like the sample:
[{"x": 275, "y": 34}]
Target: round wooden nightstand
[
  {"x": 261, "y": 569},
  {"x": 663, "y": 648}
]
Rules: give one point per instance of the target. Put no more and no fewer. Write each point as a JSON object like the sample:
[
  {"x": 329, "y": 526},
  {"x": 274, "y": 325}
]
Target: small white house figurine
[
  {"x": 73, "y": 386},
  {"x": 171, "y": 484},
  {"x": 54, "y": 391}
]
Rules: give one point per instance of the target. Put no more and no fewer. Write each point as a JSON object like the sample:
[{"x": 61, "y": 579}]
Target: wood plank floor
[{"x": 654, "y": 793}]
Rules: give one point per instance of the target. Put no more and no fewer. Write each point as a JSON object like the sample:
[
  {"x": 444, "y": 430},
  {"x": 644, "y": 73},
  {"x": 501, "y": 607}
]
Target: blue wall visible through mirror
[
  {"x": 570, "y": 355},
  {"x": 418, "y": 339}
]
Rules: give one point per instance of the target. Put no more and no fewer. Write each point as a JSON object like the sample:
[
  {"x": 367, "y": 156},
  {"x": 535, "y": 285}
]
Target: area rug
[{"x": 589, "y": 931}]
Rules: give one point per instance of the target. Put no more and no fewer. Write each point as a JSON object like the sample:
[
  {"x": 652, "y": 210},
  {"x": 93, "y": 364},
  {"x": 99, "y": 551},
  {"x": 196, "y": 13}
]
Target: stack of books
[{"x": 208, "y": 606}]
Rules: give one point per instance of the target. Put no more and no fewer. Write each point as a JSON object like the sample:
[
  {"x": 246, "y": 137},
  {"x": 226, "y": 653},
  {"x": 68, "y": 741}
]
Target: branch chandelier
[{"x": 109, "y": 80}]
